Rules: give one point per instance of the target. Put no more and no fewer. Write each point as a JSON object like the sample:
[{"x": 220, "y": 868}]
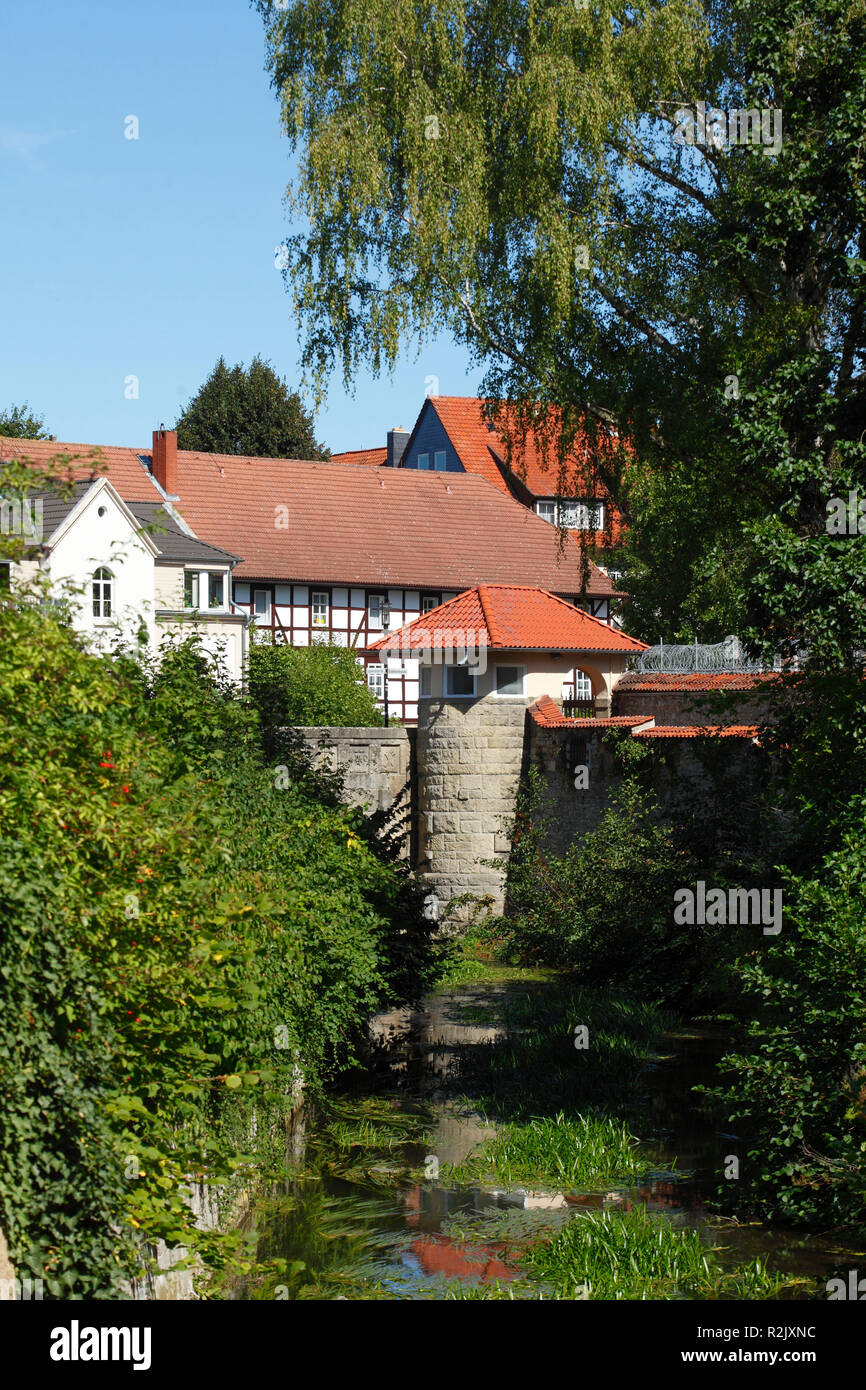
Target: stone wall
[
  {"x": 377, "y": 767},
  {"x": 681, "y": 706},
  {"x": 470, "y": 756},
  {"x": 719, "y": 781}
]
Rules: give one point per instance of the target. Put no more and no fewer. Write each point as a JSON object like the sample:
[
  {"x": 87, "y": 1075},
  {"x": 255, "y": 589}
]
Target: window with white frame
[
  {"x": 375, "y": 603},
  {"x": 190, "y": 589},
  {"x": 582, "y": 686},
  {"x": 262, "y": 605},
  {"x": 320, "y": 602},
  {"x": 573, "y": 516},
  {"x": 510, "y": 680},
  {"x": 423, "y": 460},
  {"x": 439, "y": 460},
  {"x": 215, "y": 591},
  {"x": 429, "y": 602},
  {"x": 103, "y": 585},
  {"x": 376, "y": 681},
  {"x": 459, "y": 682}
]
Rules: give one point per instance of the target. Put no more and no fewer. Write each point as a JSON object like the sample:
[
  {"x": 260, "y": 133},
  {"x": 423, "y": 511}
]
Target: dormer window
[
  {"x": 573, "y": 516},
  {"x": 103, "y": 584}
]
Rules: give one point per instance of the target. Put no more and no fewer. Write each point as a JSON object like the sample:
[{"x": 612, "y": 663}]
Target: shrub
[
  {"x": 183, "y": 930},
  {"x": 309, "y": 686}
]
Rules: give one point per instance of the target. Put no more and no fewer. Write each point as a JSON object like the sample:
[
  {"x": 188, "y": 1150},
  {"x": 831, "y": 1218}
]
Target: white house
[{"x": 126, "y": 567}]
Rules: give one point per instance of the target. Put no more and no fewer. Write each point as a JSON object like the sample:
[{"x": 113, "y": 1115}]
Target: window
[
  {"x": 439, "y": 460},
  {"x": 426, "y": 677},
  {"x": 262, "y": 605},
  {"x": 102, "y": 595},
  {"x": 376, "y": 681},
  {"x": 459, "y": 681},
  {"x": 190, "y": 589},
  {"x": 375, "y": 602},
  {"x": 423, "y": 460},
  {"x": 429, "y": 602},
  {"x": 320, "y": 602},
  {"x": 582, "y": 686},
  {"x": 5, "y": 576},
  {"x": 216, "y": 590},
  {"x": 510, "y": 680},
  {"x": 574, "y": 516}
]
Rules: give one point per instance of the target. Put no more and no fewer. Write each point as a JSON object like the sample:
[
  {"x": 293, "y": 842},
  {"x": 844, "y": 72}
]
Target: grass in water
[
  {"x": 570, "y": 1152},
  {"x": 632, "y": 1255}
]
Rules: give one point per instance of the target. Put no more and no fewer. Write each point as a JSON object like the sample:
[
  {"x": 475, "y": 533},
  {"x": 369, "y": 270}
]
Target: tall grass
[{"x": 568, "y": 1152}]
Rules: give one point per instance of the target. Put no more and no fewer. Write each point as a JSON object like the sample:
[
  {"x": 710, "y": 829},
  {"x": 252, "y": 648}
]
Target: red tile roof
[
  {"x": 123, "y": 466},
  {"x": 371, "y": 458},
  {"x": 348, "y": 523},
  {"x": 509, "y": 617},
  {"x": 700, "y": 731},
  {"x": 547, "y": 714},
  {"x": 721, "y": 680},
  {"x": 483, "y": 450}
]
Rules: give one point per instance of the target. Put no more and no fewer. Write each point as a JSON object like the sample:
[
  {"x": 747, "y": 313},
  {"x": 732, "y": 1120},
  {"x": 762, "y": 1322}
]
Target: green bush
[
  {"x": 308, "y": 686},
  {"x": 183, "y": 929},
  {"x": 798, "y": 1083},
  {"x": 604, "y": 908}
]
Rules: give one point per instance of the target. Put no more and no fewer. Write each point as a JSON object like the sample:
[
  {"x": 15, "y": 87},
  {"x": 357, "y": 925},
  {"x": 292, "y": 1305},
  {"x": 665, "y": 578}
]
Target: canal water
[{"x": 375, "y": 1212}]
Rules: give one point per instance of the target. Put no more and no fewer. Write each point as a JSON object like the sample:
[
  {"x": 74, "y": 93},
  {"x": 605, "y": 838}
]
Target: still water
[{"x": 374, "y": 1212}]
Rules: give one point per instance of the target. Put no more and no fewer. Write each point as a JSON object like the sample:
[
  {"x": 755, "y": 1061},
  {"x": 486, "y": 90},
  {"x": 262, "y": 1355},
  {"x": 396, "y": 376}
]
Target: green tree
[
  {"x": 308, "y": 686},
  {"x": 18, "y": 422},
  {"x": 520, "y": 174},
  {"x": 248, "y": 411}
]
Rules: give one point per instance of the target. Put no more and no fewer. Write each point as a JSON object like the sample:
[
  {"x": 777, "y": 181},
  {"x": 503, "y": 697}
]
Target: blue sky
[{"x": 152, "y": 257}]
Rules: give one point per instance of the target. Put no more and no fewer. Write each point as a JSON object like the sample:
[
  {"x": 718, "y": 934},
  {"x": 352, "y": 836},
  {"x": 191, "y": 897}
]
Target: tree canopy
[
  {"x": 248, "y": 411},
  {"x": 19, "y": 422},
  {"x": 543, "y": 181}
]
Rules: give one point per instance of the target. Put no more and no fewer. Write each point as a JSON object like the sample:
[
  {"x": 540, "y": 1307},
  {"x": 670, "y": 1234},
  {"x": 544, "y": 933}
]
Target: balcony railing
[{"x": 579, "y": 709}]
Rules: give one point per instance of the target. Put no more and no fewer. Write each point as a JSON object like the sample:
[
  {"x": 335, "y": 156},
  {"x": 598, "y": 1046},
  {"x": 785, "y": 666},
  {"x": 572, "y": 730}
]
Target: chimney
[
  {"x": 165, "y": 460},
  {"x": 398, "y": 438}
]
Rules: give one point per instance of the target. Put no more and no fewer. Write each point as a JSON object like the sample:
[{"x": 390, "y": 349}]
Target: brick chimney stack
[{"x": 165, "y": 460}]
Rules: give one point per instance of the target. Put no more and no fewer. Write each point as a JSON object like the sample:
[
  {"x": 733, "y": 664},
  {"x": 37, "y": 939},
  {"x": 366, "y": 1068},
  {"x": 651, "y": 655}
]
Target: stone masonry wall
[
  {"x": 683, "y": 707},
  {"x": 377, "y": 766},
  {"x": 470, "y": 755},
  {"x": 718, "y": 781}
]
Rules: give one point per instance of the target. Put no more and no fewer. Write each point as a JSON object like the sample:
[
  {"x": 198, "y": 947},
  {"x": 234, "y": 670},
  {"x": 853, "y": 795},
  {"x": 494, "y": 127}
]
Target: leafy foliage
[
  {"x": 19, "y": 422},
  {"x": 798, "y": 1081},
  {"x": 183, "y": 938},
  {"x": 308, "y": 686},
  {"x": 248, "y": 411}
]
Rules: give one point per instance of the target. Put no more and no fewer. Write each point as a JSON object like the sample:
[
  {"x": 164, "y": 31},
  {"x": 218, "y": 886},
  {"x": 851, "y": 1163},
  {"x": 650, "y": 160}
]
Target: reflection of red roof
[
  {"x": 509, "y": 617},
  {"x": 442, "y": 1255},
  {"x": 483, "y": 450},
  {"x": 348, "y": 524},
  {"x": 371, "y": 458}
]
